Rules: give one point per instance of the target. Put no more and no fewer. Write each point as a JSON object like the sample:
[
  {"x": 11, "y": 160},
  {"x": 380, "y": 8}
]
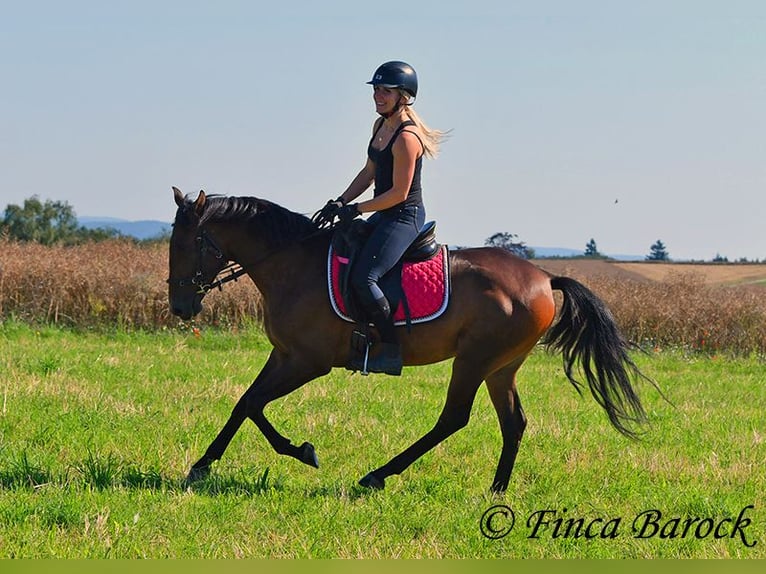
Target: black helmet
[{"x": 396, "y": 75}]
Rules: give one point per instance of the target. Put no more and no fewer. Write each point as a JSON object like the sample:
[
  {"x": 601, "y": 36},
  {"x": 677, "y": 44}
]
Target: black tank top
[{"x": 384, "y": 167}]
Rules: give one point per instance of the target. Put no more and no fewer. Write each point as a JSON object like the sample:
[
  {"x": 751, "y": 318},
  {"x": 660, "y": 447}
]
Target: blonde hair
[{"x": 432, "y": 138}]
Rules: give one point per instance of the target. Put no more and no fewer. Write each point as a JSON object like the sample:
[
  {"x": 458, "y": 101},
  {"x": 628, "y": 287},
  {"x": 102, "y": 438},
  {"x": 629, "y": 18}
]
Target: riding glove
[
  {"x": 325, "y": 216},
  {"x": 348, "y": 213}
]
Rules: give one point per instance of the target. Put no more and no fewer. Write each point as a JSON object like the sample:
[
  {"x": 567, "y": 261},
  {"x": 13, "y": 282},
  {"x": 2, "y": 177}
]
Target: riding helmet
[{"x": 396, "y": 74}]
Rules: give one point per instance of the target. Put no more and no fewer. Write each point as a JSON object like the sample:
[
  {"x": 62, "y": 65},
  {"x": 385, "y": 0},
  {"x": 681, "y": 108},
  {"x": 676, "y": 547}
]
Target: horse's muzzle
[{"x": 186, "y": 309}]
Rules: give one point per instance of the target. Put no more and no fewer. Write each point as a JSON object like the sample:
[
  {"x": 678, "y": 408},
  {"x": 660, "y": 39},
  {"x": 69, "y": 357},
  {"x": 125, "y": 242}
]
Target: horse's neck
[{"x": 277, "y": 270}]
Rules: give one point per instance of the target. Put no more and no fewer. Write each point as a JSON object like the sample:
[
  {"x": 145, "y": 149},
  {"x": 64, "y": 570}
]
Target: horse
[{"x": 501, "y": 307}]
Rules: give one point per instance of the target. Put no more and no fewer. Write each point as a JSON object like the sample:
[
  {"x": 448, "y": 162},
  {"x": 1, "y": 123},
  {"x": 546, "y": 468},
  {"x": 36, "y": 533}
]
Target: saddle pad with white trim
[{"x": 425, "y": 283}]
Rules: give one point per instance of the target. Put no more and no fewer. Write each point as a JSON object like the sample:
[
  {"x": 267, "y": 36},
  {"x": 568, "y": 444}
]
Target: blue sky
[{"x": 621, "y": 121}]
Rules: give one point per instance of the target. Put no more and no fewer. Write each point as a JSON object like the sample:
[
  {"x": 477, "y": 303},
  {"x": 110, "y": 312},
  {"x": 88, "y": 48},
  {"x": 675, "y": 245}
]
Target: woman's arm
[{"x": 360, "y": 183}]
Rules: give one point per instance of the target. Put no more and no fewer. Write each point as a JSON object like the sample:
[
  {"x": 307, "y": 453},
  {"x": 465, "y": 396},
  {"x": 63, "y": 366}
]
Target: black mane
[{"x": 276, "y": 224}]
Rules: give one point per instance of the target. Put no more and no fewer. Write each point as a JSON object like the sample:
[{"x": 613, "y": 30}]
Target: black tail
[{"x": 586, "y": 332}]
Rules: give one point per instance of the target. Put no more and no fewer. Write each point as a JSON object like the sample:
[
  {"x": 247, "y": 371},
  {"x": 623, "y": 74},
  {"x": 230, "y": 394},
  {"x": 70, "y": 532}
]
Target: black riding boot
[{"x": 385, "y": 357}]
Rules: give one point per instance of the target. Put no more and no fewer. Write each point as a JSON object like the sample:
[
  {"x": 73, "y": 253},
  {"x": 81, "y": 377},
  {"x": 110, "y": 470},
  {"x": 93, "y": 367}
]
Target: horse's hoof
[
  {"x": 309, "y": 455},
  {"x": 197, "y": 474},
  {"x": 372, "y": 481},
  {"x": 498, "y": 490}
]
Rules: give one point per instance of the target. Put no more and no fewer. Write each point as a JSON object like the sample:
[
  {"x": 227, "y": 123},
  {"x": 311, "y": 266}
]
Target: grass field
[{"x": 97, "y": 432}]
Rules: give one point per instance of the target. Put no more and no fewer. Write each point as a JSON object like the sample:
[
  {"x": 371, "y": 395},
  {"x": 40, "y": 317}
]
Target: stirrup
[{"x": 360, "y": 345}]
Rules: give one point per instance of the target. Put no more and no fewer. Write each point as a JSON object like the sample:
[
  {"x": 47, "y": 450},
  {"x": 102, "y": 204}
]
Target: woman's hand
[{"x": 325, "y": 216}]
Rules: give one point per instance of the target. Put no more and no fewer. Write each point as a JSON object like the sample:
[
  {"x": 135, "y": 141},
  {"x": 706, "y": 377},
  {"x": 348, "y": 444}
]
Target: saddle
[{"x": 417, "y": 287}]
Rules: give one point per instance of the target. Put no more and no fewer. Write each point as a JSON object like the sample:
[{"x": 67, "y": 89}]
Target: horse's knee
[
  {"x": 454, "y": 421},
  {"x": 254, "y": 404}
]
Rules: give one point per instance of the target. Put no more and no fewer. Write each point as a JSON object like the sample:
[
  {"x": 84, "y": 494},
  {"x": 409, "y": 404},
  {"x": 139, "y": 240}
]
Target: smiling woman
[{"x": 394, "y": 163}]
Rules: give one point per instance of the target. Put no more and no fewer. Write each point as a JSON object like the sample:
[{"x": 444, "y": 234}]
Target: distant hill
[
  {"x": 566, "y": 253},
  {"x": 146, "y": 229},
  {"x": 556, "y": 252},
  {"x": 543, "y": 252}
]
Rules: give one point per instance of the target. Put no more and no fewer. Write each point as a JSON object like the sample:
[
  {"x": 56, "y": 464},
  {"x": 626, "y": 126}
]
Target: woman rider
[{"x": 399, "y": 141}]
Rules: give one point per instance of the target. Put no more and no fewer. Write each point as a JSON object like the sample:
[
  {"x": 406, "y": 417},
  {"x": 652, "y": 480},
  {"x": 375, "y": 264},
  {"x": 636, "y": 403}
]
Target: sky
[{"x": 620, "y": 121}]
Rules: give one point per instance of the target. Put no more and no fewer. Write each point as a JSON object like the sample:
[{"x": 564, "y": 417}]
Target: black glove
[
  {"x": 325, "y": 216},
  {"x": 348, "y": 213}
]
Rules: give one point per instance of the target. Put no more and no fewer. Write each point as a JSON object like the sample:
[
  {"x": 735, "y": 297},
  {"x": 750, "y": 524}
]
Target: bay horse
[{"x": 500, "y": 307}]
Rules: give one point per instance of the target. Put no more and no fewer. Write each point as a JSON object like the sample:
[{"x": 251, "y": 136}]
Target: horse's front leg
[
  {"x": 201, "y": 468},
  {"x": 279, "y": 376}
]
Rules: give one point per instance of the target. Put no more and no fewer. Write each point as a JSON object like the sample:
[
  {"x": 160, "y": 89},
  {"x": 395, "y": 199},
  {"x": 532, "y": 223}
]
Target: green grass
[{"x": 97, "y": 432}]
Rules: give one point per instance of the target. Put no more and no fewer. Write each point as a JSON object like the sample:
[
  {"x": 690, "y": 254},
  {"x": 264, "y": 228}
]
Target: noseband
[{"x": 205, "y": 243}]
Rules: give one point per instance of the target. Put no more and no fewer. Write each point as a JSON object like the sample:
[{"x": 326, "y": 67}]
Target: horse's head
[{"x": 195, "y": 260}]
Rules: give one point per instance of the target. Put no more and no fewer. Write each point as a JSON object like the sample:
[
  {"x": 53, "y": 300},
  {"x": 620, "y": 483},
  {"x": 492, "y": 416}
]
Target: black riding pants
[{"x": 393, "y": 231}]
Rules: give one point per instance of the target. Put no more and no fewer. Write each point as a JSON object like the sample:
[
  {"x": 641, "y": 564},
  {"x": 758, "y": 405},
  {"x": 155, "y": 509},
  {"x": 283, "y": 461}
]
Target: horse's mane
[{"x": 276, "y": 224}]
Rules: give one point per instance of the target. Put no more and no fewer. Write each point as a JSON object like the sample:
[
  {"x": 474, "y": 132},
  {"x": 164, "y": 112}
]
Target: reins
[{"x": 232, "y": 270}]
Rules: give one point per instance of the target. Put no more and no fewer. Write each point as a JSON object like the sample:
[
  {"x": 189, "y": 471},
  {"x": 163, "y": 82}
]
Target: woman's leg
[{"x": 391, "y": 236}]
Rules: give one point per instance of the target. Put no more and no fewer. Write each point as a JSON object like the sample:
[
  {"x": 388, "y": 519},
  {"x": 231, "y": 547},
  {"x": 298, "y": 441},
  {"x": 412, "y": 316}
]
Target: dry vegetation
[
  {"x": 105, "y": 284},
  {"x": 708, "y": 308},
  {"x": 714, "y": 308}
]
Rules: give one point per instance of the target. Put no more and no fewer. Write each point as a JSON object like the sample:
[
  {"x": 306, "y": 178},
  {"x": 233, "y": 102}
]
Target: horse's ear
[
  {"x": 179, "y": 197},
  {"x": 199, "y": 203}
]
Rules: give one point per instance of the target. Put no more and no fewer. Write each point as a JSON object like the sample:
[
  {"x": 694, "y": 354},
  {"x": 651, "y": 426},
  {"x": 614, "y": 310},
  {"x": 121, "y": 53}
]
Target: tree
[
  {"x": 39, "y": 222},
  {"x": 47, "y": 222},
  {"x": 658, "y": 252},
  {"x": 510, "y": 242},
  {"x": 591, "y": 250}
]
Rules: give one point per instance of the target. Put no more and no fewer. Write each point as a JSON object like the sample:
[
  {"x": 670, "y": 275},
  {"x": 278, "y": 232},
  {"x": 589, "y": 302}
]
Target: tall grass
[
  {"x": 123, "y": 283},
  {"x": 685, "y": 312},
  {"x": 104, "y": 284}
]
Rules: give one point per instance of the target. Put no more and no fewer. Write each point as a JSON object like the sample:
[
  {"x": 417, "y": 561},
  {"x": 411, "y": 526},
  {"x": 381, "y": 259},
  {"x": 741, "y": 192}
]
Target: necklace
[{"x": 385, "y": 130}]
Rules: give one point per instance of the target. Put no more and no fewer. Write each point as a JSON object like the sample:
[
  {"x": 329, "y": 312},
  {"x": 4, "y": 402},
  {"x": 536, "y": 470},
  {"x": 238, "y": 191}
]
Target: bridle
[
  {"x": 205, "y": 243},
  {"x": 231, "y": 270}
]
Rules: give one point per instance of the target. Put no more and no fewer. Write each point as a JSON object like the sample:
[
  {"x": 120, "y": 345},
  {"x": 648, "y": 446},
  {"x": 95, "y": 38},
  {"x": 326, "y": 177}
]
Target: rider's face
[{"x": 385, "y": 99}]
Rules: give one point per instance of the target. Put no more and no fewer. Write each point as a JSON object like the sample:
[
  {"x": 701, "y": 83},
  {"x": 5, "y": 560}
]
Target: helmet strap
[{"x": 397, "y": 107}]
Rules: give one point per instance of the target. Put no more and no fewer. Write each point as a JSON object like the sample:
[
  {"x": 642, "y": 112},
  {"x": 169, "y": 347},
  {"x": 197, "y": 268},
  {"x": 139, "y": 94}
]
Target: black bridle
[
  {"x": 234, "y": 270},
  {"x": 231, "y": 270}
]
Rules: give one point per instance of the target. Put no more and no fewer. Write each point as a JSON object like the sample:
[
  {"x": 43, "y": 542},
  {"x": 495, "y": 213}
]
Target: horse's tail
[{"x": 586, "y": 332}]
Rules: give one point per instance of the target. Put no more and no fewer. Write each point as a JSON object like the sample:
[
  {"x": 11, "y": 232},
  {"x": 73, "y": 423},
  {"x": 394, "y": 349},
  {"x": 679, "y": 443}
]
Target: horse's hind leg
[
  {"x": 505, "y": 398},
  {"x": 465, "y": 381}
]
